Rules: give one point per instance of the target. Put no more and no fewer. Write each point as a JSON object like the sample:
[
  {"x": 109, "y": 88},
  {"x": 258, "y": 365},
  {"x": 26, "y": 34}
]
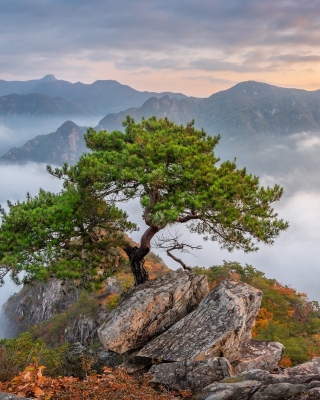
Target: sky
[{"x": 194, "y": 47}]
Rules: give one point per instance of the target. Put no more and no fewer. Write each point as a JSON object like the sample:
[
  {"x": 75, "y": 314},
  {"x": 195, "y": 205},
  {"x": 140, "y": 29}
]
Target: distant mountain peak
[{"x": 48, "y": 78}]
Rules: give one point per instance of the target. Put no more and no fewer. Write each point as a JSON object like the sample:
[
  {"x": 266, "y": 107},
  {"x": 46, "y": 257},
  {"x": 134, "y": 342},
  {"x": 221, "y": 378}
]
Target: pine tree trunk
[
  {"x": 136, "y": 256},
  {"x": 137, "y": 266}
]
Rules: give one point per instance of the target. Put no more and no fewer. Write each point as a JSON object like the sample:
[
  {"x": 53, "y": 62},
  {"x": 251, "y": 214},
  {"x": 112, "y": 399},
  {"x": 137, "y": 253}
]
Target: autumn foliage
[
  {"x": 286, "y": 316},
  {"x": 111, "y": 385}
]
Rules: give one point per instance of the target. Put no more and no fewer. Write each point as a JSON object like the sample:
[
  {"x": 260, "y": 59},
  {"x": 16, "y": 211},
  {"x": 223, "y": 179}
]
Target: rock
[
  {"x": 261, "y": 385},
  {"x": 229, "y": 390},
  {"x": 37, "y": 303},
  {"x": 108, "y": 358},
  {"x": 313, "y": 394},
  {"x": 270, "y": 379},
  {"x": 216, "y": 328},
  {"x": 258, "y": 354},
  {"x": 82, "y": 329},
  {"x": 307, "y": 368},
  {"x": 113, "y": 285},
  {"x": 191, "y": 375},
  {"x": 278, "y": 391},
  {"x": 134, "y": 364},
  {"x": 78, "y": 360},
  {"x": 152, "y": 308},
  {"x": 7, "y": 396}
]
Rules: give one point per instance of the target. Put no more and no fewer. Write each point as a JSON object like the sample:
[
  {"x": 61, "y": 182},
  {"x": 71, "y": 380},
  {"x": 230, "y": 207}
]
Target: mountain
[
  {"x": 180, "y": 111},
  {"x": 249, "y": 117},
  {"x": 251, "y": 108},
  {"x": 21, "y": 87},
  {"x": 246, "y": 109},
  {"x": 101, "y": 97},
  {"x": 34, "y": 105},
  {"x": 64, "y": 145}
]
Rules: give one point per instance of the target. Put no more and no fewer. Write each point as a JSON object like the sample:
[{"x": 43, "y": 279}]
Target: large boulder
[
  {"x": 150, "y": 309},
  {"x": 258, "y": 354},
  {"x": 216, "y": 328},
  {"x": 262, "y": 385},
  {"x": 307, "y": 368},
  {"x": 191, "y": 375}
]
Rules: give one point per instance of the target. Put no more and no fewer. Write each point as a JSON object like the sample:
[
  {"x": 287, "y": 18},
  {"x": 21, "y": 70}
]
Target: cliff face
[
  {"x": 37, "y": 303},
  {"x": 64, "y": 145},
  {"x": 58, "y": 312}
]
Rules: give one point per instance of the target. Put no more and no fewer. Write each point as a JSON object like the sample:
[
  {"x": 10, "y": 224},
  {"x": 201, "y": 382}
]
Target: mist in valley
[
  {"x": 293, "y": 260},
  {"x": 16, "y": 131}
]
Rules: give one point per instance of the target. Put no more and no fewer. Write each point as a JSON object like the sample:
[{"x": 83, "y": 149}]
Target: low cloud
[
  {"x": 16, "y": 181},
  {"x": 293, "y": 259},
  {"x": 306, "y": 141}
]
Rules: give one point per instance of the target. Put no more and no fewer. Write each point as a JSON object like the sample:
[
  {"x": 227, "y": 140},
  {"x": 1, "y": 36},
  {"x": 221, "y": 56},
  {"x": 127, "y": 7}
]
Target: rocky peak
[{"x": 48, "y": 78}]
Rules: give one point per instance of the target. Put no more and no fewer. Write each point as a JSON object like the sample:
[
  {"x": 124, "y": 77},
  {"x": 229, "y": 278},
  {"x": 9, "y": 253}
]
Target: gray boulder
[
  {"x": 312, "y": 394},
  {"x": 258, "y": 354},
  {"x": 216, "y": 328},
  {"x": 307, "y": 368},
  {"x": 261, "y": 385},
  {"x": 7, "y": 396},
  {"x": 191, "y": 375},
  {"x": 150, "y": 309},
  {"x": 226, "y": 390}
]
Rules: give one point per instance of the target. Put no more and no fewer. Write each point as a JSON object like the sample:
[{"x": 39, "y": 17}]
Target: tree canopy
[
  {"x": 173, "y": 172},
  {"x": 67, "y": 235}
]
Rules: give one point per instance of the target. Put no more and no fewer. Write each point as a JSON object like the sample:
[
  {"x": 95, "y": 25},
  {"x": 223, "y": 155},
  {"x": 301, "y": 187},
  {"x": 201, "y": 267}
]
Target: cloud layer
[
  {"x": 293, "y": 259},
  {"x": 182, "y": 42}
]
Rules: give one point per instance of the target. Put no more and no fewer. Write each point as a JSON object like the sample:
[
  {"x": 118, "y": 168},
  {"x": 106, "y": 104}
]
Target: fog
[
  {"x": 15, "y": 182},
  {"x": 14, "y": 132},
  {"x": 293, "y": 260},
  {"x": 294, "y": 163}
]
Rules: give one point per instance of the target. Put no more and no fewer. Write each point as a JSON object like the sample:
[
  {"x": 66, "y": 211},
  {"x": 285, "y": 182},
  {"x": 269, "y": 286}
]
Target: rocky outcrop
[
  {"x": 82, "y": 329},
  {"x": 150, "y": 309},
  {"x": 258, "y": 354},
  {"x": 216, "y": 328},
  {"x": 66, "y": 144},
  {"x": 261, "y": 385},
  {"x": 191, "y": 375},
  {"x": 307, "y": 368},
  {"x": 37, "y": 303}
]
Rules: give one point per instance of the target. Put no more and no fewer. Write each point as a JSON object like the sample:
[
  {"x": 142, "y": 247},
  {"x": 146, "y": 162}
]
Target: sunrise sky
[{"x": 197, "y": 47}]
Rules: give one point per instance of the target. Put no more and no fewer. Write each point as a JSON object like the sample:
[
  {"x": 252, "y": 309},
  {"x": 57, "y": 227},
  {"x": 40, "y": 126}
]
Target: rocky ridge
[
  {"x": 64, "y": 145},
  {"x": 210, "y": 350},
  {"x": 249, "y": 116},
  {"x": 214, "y": 355}
]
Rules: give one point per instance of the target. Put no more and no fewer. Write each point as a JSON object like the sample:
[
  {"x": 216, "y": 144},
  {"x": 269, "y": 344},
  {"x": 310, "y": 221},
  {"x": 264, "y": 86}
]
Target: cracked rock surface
[
  {"x": 261, "y": 385},
  {"x": 258, "y": 354},
  {"x": 191, "y": 375},
  {"x": 222, "y": 320},
  {"x": 150, "y": 309}
]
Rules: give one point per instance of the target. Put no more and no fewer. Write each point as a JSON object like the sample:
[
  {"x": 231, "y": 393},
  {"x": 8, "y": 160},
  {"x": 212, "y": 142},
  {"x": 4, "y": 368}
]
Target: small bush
[
  {"x": 112, "y": 301},
  {"x": 17, "y": 353}
]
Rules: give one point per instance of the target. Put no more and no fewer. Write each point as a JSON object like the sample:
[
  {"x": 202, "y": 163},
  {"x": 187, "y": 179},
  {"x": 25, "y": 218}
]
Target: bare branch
[{"x": 171, "y": 242}]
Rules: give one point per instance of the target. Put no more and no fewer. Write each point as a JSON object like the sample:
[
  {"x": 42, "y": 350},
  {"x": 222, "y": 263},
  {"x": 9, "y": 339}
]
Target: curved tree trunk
[{"x": 136, "y": 256}]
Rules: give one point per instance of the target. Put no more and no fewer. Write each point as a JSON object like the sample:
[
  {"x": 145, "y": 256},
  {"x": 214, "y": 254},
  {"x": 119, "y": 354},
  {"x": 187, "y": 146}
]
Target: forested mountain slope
[{"x": 248, "y": 116}]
